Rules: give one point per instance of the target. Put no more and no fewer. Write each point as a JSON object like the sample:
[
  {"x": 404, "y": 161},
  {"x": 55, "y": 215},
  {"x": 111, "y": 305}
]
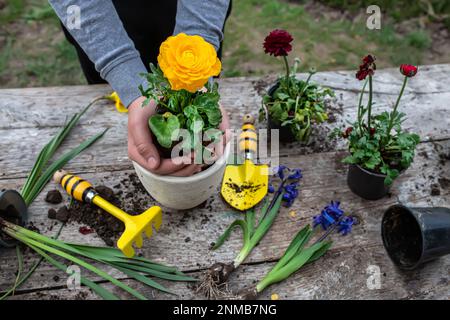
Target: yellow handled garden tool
[
  {"x": 82, "y": 190},
  {"x": 245, "y": 185}
]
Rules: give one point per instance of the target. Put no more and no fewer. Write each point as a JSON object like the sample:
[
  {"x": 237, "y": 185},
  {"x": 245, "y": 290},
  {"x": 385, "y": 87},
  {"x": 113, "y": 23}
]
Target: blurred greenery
[{"x": 34, "y": 51}]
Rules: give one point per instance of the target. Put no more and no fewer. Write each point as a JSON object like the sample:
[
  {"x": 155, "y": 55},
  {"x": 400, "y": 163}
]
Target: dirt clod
[
  {"x": 54, "y": 197},
  {"x": 105, "y": 192},
  {"x": 435, "y": 190},
  {"x": 62, "y": 214},
  {"x": 51, "y": 213}
]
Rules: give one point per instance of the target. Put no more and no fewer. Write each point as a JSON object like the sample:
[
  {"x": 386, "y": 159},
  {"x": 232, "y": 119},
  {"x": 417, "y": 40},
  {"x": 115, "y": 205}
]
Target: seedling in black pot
[{"x": 413, "y": 236}]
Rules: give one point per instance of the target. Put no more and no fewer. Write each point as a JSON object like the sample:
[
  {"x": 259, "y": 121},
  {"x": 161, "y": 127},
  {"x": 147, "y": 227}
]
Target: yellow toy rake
[{"x": 82, "y": 190}]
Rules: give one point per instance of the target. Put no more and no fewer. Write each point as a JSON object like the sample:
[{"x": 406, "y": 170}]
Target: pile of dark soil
[{"x": 129, "y": 195}]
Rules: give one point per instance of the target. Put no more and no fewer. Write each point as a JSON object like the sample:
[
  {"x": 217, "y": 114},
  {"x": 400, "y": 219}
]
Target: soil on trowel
[{"x": 129, "y": 195}]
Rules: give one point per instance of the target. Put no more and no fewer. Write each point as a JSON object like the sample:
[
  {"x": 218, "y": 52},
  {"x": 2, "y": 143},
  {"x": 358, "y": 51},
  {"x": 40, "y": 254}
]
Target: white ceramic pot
[{"x": 184, "y": 192}]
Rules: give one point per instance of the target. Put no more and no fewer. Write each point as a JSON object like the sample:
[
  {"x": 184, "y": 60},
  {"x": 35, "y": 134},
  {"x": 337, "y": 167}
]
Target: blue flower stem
[
  {"x": 275, "y": 197},
  {"x": 330, "y": 229}
]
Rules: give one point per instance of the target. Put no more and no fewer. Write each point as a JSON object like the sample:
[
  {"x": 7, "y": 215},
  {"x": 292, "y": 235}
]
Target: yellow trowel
[
  {"x": 82, "y": 190},
  {"x": 245, "y": 185}
]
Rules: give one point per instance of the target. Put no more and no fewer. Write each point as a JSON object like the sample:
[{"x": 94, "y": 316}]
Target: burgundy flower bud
[
  {"x": 347, "y": 132},
  {"x": 408, "y": 70}
]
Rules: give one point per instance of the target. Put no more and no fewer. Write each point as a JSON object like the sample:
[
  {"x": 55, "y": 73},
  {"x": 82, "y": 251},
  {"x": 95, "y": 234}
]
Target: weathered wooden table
[{"x": 28, "y": 118}]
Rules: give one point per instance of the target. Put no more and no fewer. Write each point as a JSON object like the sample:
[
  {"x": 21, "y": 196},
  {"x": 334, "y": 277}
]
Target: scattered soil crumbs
[
  {"x": 129, "y": 195},
  {"x": 54, "y": 196}
]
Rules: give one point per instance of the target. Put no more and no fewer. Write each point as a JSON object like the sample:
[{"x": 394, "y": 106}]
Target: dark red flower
[
  {"x": 408, "y": 70},
  {"x": 347, "y": 132},
  {"x": 278, "y": 43},
  {"x": 291, "y": 113},
  {"x": 372, "y": 131},
  {"x": 368, "y": 67}
]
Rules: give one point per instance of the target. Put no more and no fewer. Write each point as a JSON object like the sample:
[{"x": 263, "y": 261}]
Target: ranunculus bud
[
  {"x": 347, "y": 132},
  {"x": 408, "y": 70},
  {"x": 368, "y": 67},
  {"x": 278, "y": 43}
]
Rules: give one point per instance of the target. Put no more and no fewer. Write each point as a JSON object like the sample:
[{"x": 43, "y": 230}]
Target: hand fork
[{"x": 82, "y": 190}]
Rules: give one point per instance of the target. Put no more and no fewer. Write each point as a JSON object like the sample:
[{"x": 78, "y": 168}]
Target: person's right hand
[{"x": 141, "y": 148}]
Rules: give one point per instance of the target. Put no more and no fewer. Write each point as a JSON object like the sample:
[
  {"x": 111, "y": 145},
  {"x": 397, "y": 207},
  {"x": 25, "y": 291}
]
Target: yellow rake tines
[{"x": 82, "y": 190}]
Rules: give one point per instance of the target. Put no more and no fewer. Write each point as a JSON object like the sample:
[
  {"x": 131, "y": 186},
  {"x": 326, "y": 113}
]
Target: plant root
[{"x": 214, "y": 283}]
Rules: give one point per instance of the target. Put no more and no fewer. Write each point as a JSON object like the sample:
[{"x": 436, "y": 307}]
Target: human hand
[{"x": 141, "y": 148}]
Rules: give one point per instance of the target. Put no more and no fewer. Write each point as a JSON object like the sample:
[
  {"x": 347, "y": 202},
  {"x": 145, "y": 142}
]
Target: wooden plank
[
  {"x": 324, "y": 180},
  {"x": 427, "y": 116}
]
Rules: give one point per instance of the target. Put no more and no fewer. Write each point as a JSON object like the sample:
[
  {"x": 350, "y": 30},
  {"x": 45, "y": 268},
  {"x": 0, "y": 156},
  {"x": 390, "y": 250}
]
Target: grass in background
[
  {"x": 34, "y": 51},
  {"x": 327, "y": 44}
]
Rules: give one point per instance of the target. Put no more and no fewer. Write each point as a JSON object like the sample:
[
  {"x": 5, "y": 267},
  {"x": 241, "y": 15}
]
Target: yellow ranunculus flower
[
  {"x": 188, "y": 62},
  {"x": 119, "y": 105}
]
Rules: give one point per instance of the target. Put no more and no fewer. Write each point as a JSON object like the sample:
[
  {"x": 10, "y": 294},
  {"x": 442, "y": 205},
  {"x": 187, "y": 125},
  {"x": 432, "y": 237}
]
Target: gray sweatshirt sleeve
[
  {"x": 104, "y": 40},
  {"x": 202, "y": 17}
]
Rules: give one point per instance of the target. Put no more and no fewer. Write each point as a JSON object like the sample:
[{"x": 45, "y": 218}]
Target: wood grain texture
[{"x": 29, "y": 117}]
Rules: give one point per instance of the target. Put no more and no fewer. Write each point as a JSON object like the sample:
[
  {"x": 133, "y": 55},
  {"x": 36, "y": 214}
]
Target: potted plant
[
  {"x": 380, "y": 150},
  {"x": 292, "y": 105},
  {"x": 187, "y": 118}
]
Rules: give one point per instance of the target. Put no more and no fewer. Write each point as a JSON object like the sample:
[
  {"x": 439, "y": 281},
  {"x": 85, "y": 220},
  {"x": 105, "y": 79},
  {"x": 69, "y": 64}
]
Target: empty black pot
[
  {"x": 413, "y": 236},
  {"x": 366, "y": 184},
  {"x": 12, "y": 209}
]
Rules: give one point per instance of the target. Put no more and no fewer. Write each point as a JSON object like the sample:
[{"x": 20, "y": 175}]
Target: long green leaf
[
  {"x": 227, "y": 232},
  {"x": 49, "y": 150},
  {"x": 152, "y": 272},
  {"x": 250, "y": 220},
  {"x": 266, "y": 223},
  {"x": 84, "y": 264},
  {"x": 30, "y": 272},
  {"x": 58, "y": 164},
  {"x": 320, "y": 252},
  {"x": 147, "y": 268},
  {"x": 19, "y": 272},
  {"x": 115, "y": 255},
  {"x": 295, "y": 246},
  {"x": 101, "y": 291},
  {"x": 292, "y": 266},
  {"x": 144, "y": 279}
]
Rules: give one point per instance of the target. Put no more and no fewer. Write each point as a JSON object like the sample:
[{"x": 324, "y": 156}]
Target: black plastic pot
[
  {"x": 12, "y": 209},
  {"x": 413, "y": 236},
  {"x": 366, "y": 184}
]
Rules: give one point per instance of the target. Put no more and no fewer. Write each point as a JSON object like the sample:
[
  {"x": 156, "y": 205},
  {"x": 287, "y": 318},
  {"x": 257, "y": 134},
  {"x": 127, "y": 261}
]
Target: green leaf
[
  {"x": 301, "y": 238},
  {"x": 292, "y": 266},
  {"x": 56, "y": 165},
  {"x": 227, "y": 232},
  {"x": 84, "y": 264},
  {"x": 163, "y": 127},
  {"x": 144, "y": 279},
  {"x": 101, "y": 291},
  {"x": 250, "y": 220}
]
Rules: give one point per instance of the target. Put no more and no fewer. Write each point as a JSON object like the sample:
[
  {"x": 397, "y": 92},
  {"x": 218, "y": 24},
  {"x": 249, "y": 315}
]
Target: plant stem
[
  {"x": 394, "y": 112},
  {"x": 369, "y": 104},
  {"x": 288, "y": 73},
  {"x": 360, "y": 111}
]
